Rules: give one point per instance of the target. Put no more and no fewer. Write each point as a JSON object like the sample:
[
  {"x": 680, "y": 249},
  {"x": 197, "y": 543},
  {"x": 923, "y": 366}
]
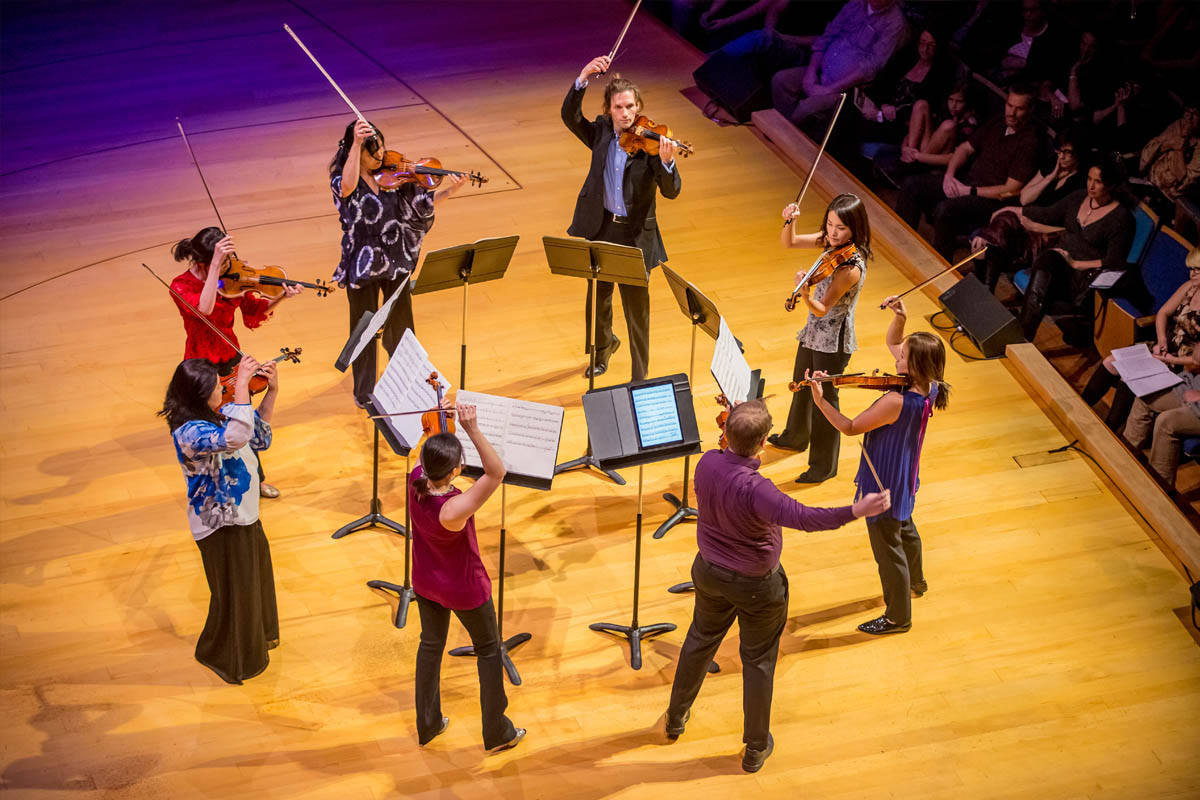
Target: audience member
[
  {"x": 1090, "y": 83},
  {"x": 1174, "y": 414},
  {"x": 935, "y": 129},
  {"x": 1005, "y": 156},
  {"x": 1171, "y": 160}
]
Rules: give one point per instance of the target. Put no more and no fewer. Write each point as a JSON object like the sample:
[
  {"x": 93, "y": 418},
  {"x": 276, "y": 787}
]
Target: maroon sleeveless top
[{"x": 446, "y": 564}]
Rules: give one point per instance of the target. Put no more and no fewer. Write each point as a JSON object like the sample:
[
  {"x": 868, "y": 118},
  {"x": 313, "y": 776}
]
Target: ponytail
[
  {"x": 941, "y": 392},
  {"x": 199, "y": 248},
  {"x": 421, "y": 487},
  {"x": 440, "y": 455}
]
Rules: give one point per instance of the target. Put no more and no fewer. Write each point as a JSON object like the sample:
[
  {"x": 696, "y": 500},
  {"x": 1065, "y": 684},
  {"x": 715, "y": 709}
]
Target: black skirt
[{"x": 243, "y": 620}]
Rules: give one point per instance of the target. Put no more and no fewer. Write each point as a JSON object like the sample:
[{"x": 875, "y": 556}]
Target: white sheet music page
[
  {"x": 525, "y": 435},
  {"x": 1141, "y": 371},
  {"x": 730, "y": 368},
  {"x": 404, "y": 387},
  {"x": 377, "y": 321}
]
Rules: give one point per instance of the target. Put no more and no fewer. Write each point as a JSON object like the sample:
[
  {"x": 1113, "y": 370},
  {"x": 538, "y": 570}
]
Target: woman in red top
[
  {"x": 198, "y": 286},
  {"x": 448, "y": 575}
]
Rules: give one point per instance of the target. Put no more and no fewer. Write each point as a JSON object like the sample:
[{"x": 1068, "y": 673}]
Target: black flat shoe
[
  {"x": 777, "y": 440},
  {"x": 753, "y": 760},
  {"x": 440, "y": 731},
  {"x": 811, "y": 476},
  {"x": 510, "y": 744},
  {"x": 919, "y": 588},
  {"x": 597, "y": 371},
  {"x": 675, "y": 729},
  {"x": 882, "y": 625}
]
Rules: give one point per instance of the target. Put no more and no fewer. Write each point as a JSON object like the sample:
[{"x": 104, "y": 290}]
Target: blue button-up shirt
[
  {"x": 614, "y": 177},
  {"x": 742, "y": 512}
]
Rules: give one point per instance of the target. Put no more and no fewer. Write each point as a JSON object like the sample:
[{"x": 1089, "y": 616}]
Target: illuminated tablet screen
[{"x": 656, "y": 415}]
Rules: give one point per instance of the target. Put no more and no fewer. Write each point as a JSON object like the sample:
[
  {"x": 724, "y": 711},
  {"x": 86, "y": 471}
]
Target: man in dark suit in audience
[
  {"x": 616, "y": 204},
  {"x": 1003, "y": 156}
]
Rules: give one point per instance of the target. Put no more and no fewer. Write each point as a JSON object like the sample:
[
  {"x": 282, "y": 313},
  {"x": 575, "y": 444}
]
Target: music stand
[
  {"x": 368, "y": 332},
  {"x": 403, "y": 594},
  {"x": 611, "y": 415},
  {"x": 484, "y": 260},
  {"x": 703, "y": 315},
  {"x": 580, "y": 258}
]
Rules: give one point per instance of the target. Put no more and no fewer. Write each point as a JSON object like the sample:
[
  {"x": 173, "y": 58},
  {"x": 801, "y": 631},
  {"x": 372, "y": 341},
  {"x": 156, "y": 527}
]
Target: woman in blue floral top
[{"x": 216, "y": 445}]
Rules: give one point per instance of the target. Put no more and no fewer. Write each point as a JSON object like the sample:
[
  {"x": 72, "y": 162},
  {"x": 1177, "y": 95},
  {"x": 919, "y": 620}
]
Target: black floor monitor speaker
[
  {"x": 733, "y": 84},
  {"x": 981, "y": 316}
]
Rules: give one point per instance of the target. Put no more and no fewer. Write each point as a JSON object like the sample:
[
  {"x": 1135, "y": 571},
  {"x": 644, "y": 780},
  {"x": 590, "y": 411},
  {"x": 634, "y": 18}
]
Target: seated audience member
[
  {"x": 792, "y": 21},
  {"x": 915, "y": 74},
  {"x": 1031, "y": 53},
  {"x": 1174, "y": 414},
  {"x": 1090, "y": 83},
  {"x": 1172, "y": 51},
  {"x": 855, "y": 46},
  {"x": 1097, "y": 231},
  {"x": 936, "y": 128},
  {"x": 1003, "y": 155},
  {"x": 1171, "y": 160},
  {"x": 1007, "y": 239},
  {"x": 1177, "y": 333}
]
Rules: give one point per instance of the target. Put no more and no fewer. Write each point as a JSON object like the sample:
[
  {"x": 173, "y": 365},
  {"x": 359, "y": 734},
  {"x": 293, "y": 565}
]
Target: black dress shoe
[
  {"x": 510, "y": 744},
  {"x": 675, "y": 729},
  {"x": 882, "y": 625},
  {"x": 439, "y": 732},
  {"x": 811, "y": 475},
  {"x": 600, "y": 368},
  {"x": 602, "y": 360},
  {"x": 753, "y": 760},
  {"x": 777, "y": 440},
  {"x": 919, "y": 588}
]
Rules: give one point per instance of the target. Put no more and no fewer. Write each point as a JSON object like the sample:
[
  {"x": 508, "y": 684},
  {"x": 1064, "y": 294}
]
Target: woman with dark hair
[
  {"x": 206, "y": 254},
  {"x": 935, "y": 129},
  {"x": 893, "y": 429},
  {"x": 1097, "y": 231},
  {"x": 448, "y": 576},
  {"x": 217, "y": 448},
  {"x": 918, "y": 73},
  {"x": 827, "y": 338},
  {"x": 382, "y": 232}
]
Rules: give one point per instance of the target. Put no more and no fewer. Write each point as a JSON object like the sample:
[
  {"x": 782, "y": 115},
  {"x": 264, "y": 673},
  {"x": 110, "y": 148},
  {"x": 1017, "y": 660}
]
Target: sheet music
[
  {"x": 525, "y": 435},
  {"x": 1142, "y": 372},
  {"x": 730, "y": 368},
  {"x": 377, "y": 321},
  {"x": 656, "y": 415},
  {"x": 403, "y": 387}
]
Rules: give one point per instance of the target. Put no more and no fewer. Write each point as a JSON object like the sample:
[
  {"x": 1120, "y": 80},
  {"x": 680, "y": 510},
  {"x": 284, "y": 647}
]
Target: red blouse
[{"x": 201, "y": 341}]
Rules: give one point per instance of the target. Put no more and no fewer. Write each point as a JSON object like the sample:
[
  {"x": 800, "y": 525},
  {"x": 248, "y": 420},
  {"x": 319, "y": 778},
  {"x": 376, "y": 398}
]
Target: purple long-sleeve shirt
[{"x": 742, "y": 514}]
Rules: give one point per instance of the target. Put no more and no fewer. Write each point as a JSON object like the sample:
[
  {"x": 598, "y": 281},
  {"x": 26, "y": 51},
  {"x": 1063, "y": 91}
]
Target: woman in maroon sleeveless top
[{"x": 448, "y": 576}]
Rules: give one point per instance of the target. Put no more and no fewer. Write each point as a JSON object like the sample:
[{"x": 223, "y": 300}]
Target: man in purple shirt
[{"x": 737, "y": 572}]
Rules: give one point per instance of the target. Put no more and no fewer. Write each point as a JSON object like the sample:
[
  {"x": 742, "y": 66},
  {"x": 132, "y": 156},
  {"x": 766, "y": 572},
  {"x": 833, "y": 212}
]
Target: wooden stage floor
[{"x": 1049, "y": 659}]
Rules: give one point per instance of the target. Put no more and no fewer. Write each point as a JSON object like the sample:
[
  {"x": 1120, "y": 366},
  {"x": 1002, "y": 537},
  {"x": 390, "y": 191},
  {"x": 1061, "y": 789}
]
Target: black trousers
[
  {"x": 1054, "y": 287},
  {"x": 806, "y": 427},
  {"x": 243, "y": 619},
  {"x": 950, "y": 216},
  {"x": 897, "y": 549},
  {"x": 485, "y": 638},
  {"x": 366, "y": 299},
  {"x": 635, "y": 300},
  {"x": 760, "y": 607}
]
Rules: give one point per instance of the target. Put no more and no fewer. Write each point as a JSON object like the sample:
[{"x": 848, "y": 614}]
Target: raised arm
[
  {"x": 572, "y": 108},
  {"x": 458, "y": 509},
  {"x": 350, "y": 172},
  {"x": 208, "y": 295},
  {"x": 883, "y": 411},
  {"x": 895, "y": 332},
  {"x": 788, "y": 236}
]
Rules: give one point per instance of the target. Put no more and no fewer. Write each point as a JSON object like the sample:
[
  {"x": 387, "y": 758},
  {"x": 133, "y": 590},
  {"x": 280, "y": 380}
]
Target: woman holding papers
[
  {"x": 382, "y": 233},
  {"x": 893, "y": 430},
  {"x": 448, "y": 576},
  {"x": 1173, "y": 415},
  {"x": 827, "y": 338}
]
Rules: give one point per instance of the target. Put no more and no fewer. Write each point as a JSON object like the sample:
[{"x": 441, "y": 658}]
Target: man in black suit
[{"x": 616, "y": 204}]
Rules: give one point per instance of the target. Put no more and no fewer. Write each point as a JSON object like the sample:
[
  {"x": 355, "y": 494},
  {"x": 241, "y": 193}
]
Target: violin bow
[
  {"x": 328, "y": 77},
  {"x": 194, "y": 310},
  {"x": 971, "y": 257},
  {"x": 200, "y": 172},
  {"x": 612, "y": 54},
  {"x": 817, "y": 160},
  {"x": 867, "y": 458},
  {"x": 447, "y": 411}
]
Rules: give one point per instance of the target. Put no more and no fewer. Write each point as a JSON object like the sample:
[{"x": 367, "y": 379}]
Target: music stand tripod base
[
  {"x": 398, "y": 597},
  {"x": 589, "y": 460}
]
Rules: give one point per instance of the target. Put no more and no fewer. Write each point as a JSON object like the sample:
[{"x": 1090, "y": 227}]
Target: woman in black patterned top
[{"x": 382, "y": 231}]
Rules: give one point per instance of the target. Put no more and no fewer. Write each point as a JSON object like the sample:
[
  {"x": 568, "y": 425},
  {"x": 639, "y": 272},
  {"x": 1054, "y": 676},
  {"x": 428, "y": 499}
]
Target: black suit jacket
[{"x": 645, "y": 175}]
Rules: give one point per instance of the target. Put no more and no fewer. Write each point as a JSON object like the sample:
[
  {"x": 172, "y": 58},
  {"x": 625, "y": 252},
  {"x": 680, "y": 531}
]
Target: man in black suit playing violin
[{"x": 616, "y": 204}]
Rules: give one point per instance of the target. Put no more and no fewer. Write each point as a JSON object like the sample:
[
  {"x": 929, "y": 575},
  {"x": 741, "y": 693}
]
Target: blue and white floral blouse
[{"x": 221, "y": 467}]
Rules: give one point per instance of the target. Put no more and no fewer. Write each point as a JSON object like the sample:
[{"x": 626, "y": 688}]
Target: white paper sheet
[
  {"x": 729, "y": 367},
  {"x": 1142, "y": 372},
  {"x": 377, "y": 321},
  {"x": 525, "y": 435},
  {"x": 404, "y": 387},
  {"x": 1106, "y": 279}
]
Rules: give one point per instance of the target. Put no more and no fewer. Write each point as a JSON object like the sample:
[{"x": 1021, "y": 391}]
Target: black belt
[
  {"x": 617, "y": 218},
  {"x": 733, "y": 574}
]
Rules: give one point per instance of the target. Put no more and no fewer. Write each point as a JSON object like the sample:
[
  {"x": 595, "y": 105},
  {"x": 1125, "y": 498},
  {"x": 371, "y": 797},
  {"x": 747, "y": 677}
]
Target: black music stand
[
  {"x": 580, "y": 258},
  {"x": 401, "y": 595},
  {"x": 613, "y": 426},
  {"x": 367, "y": 333},
  {"x": 703, "y": 315},
  {"x": 484, "y": 260}
]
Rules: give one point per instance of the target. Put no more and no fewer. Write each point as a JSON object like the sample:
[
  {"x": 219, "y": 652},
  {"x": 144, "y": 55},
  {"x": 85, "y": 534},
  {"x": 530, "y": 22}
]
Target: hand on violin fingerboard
[{"x": 666, "y": 150}]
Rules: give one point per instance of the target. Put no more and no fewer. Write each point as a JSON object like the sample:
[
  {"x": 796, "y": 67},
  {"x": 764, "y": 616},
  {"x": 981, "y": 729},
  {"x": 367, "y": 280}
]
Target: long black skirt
[{"x": 243, "y": 620}]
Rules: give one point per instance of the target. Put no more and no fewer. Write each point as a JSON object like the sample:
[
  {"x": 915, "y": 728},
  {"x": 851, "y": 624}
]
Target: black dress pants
[
  {"x": 1054, "y": 286},
  {"x": 950, "y": 216},
  {"x": 897, "y": 549},
  {"x": 635, "y": 300},
  {"x": 806, "y": 427},
  {"x": 760, "y": 607},
  {"x": 367, "y": 298},
  {"x": 485, "y": 638}
]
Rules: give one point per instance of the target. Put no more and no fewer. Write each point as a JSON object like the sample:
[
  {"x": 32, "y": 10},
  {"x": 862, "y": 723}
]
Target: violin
[
  {"x": 722, "y": 418},
  {"x": 239, "y": 278},
  {"x": 830, "y": 262},
  {"x": 859, "y": 380},
  {"x": 428, "y": 172},
  {"x": 644, "y": 136},
  {"x": 258, "y": 382},
  {"x": 437, "y": 420}
]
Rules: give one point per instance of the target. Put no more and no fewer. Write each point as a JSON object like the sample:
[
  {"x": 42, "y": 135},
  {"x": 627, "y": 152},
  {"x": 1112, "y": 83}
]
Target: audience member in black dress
[{"x": 1003, "y": 155}]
